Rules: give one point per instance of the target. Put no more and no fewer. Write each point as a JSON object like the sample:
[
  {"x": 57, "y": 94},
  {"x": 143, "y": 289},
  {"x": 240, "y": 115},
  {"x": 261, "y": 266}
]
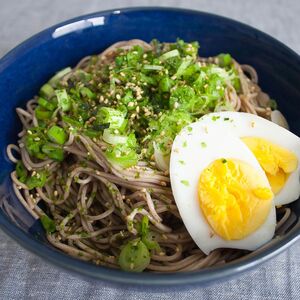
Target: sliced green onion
[
  {"x": 37, "y": 180},
  {"x": 53, "y": 151},
  {"x": 33, "y": 144},
  {"x": 72, "y": 121},
  {"x": 92, "y": 133},
  {"x": 185, "y": 63},
  {"x": 162, "y": 160},
  {"x": 134, "y": 256},
  {"x": 165, "y": 84},
  {"x": 63, "y": 99},
  {"x": 59, "y": 75},
  {"x": 46, "y": 104},
  {"x": 48, "y": 224},
  {"x": 86, "y": 92},
  {"x": 224, "y": 59},
  {"x": 182, "y": 98},
  {"x": 112, "y": 116},
  {"x": 47, "y": 91},
  {"x": 121, "y": 155},
  {"x": 57, "y": 135},
  {"x": 153, "y": 67},
  {"x": 42, "y": 114},
  {"x": 21, "y": 171},
  {"x": 169, "y": 54},
  {"x": 112, "y": 138},
  {"x": 131, "y": 141},
  {"x": 273, "y": 104}
]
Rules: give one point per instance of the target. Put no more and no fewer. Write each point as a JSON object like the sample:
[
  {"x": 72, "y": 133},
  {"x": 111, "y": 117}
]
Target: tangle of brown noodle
[{"x": 95, "y": 207}]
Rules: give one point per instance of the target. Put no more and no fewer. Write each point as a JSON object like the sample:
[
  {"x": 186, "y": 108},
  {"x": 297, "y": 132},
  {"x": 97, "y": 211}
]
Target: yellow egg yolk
[
  {"x": 234, "y": 198},
  {"x": 276, "y": 161}
]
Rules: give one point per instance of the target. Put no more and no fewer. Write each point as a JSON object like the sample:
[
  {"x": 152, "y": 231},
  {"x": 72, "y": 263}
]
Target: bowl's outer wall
[{"x": 25, "y": 69}]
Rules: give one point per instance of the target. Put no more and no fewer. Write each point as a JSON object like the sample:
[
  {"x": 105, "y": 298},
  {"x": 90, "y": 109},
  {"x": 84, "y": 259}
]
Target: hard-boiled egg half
[
  {"x": 276, "y": 149},
  {"x": 228, "y": 171},
  {"x": 222, "y": 193}
]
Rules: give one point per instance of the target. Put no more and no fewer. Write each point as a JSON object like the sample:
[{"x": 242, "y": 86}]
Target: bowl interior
[{"x": 28, "y": 66}]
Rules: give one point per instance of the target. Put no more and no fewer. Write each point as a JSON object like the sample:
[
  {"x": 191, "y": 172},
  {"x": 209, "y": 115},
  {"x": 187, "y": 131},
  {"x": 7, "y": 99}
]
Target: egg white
[
  {"x": 193, "y": 150},
  {"x": 245, "y": 124}
]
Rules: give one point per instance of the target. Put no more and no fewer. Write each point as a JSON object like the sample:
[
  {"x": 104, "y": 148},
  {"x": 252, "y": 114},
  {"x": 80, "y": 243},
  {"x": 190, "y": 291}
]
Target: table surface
[{"x": 25, "y": 276}]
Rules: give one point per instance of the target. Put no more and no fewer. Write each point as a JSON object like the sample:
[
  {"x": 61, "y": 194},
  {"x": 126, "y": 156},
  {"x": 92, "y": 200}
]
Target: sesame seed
[
  {"x": 55, "y": 193},
  {"x": 118, "y": 96},
  {"x": 137, "y": 109},
  {"x": 130, "y": 104}
]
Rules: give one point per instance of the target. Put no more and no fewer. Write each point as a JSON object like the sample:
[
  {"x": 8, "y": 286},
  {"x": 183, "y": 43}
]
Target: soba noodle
[{"x": 95, "y": 204}]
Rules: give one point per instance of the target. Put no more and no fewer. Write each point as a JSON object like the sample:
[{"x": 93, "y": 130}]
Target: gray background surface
[{"x": 25, "y": 276}]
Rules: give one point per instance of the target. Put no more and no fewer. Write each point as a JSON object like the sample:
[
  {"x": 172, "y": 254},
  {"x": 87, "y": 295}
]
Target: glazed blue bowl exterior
[{"x": 28, "y": 66}]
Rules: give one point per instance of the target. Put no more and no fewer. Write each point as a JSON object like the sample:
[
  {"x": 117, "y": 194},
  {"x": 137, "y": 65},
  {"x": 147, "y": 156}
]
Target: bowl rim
[{"x": 117, "y": 276}]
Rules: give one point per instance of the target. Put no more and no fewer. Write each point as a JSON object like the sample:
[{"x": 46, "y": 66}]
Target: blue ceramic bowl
[{"x": 28, "y": 66}]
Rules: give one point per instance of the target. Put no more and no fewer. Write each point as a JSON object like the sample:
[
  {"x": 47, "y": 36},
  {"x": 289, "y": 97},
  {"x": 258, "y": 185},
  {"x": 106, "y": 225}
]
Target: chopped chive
[{"x": 203, "y": 145}]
